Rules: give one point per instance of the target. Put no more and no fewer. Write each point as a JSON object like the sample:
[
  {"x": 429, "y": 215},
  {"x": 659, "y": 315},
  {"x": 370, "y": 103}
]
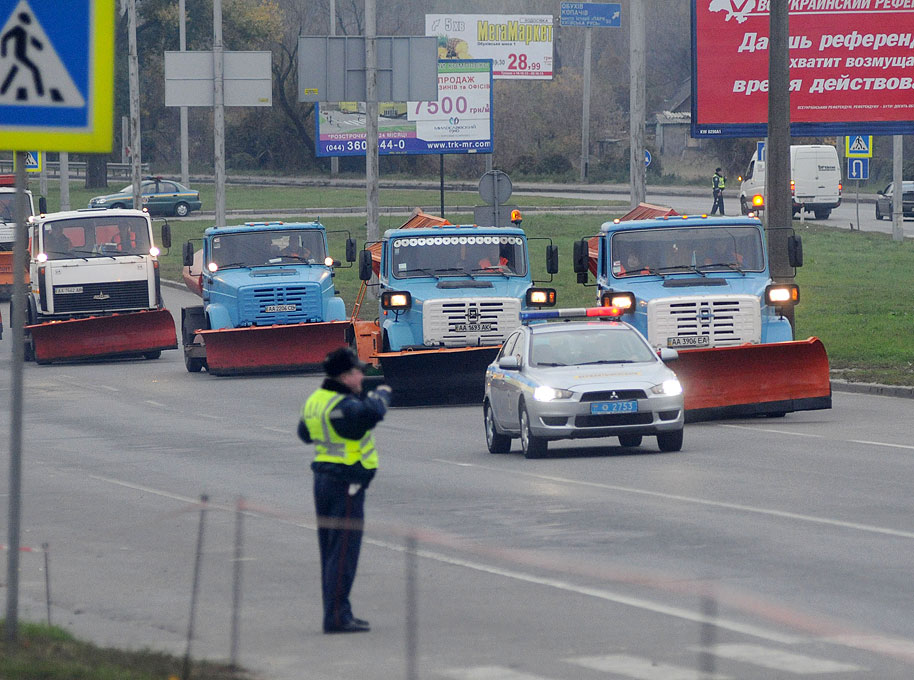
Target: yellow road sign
[{"x": 858, "y": 146}]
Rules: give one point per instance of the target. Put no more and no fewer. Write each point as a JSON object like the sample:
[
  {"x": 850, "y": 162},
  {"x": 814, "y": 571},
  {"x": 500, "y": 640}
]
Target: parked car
[
  {"x": 580, "y": 379},
  {"x": 160, "y": 196},
  {"x": 884, "y": 200}
]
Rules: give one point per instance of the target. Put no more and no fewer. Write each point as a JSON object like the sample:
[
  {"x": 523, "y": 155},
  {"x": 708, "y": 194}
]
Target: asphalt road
[{"x": 765, "y": 548}]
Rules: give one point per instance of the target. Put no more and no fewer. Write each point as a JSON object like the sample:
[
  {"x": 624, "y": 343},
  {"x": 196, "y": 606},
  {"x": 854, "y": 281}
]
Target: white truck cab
[{"x": 815, "y": 180}]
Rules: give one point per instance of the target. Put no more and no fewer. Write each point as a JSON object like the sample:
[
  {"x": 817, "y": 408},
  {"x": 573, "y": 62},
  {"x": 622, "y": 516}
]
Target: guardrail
[{"x": 78, "y": 169}]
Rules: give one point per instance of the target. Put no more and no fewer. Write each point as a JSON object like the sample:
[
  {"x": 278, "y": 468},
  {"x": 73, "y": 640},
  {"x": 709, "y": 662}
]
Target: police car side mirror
[
  {"x": 668, "y": 354},
  {"x": 509, "y": 363}
]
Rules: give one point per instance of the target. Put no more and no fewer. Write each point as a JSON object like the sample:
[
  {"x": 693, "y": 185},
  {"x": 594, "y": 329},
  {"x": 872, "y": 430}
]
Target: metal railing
[{"x": 78, "y": 169}]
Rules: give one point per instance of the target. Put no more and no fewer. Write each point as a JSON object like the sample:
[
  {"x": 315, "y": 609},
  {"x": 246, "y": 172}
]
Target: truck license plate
[
  {"x": 280, "y": 308},
  {"x": 614, "y": 407},
  {"x": 472, "y": 327},
  {"x": 689, "y": 341}
]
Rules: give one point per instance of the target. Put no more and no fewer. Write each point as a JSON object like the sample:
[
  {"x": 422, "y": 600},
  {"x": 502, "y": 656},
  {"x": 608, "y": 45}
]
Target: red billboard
[{"x": 851, "y": 67}]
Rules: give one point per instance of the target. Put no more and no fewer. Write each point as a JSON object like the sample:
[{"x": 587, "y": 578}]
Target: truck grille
[
  {"x": 727, "y": 319},
  {"x": 255, "y": 301},
  {"x": 469, "y": 322},
  {"x": 102, "y": 297}
]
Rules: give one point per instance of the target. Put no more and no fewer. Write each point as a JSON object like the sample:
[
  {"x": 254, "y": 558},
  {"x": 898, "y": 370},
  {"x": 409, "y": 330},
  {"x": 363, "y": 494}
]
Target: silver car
[
  {"x": 884, "y": 201},
  {"x": 580, "y": 379}
]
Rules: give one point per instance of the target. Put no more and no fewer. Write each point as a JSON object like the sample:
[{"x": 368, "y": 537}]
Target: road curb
[{"x": 903, "y": 391}]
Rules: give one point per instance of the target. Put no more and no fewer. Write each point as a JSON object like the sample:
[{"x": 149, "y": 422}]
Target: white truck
[
  {"x": 94, "y": 287},
  {"x": 8, "y": 229},
  {"x": 815, "y": 180}
]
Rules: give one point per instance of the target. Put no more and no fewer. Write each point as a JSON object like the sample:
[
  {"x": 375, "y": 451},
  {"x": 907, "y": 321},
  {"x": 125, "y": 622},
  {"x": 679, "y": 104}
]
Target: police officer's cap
[
  {"x": 341, "y": 360},
  {"x": 717, "y": 170}
]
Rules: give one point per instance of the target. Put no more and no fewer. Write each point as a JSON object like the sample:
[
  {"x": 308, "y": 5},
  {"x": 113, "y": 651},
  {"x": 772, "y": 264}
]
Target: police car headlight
[
  {"x": 544, "y": 393},
  {"x": 669, "y": 388}
]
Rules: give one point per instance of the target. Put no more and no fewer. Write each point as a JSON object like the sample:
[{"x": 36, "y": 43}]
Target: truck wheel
[
  {"x": 182, "y": 209},
  {"x": 497, "y": 442},
  {"x": 822, "y": 213},
  {"x": 194, "y": 364},
  {"x": 743, "y": 206},
  {"x": 152, "y": 355},
  {"x": 630, "y": 440},
  {"x": 533, "y": 446},
  {"x": 670, "y": 441}
]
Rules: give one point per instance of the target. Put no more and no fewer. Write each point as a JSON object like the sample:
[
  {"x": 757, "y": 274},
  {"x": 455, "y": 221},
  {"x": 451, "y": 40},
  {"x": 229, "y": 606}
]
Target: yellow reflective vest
[
  {"x": 718, "y": 181},
  {"x": 331, "y": 447}
]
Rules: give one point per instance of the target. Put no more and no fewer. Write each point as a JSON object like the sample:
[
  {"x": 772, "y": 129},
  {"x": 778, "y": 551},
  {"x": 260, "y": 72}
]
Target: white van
[{"x": 815, "y": 184}]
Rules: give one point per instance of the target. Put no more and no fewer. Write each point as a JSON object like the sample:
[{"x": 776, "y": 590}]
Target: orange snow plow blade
[
  {"x": 771, "y": 379},
  {"x": 267, "y": 349},
  {"x": 437, "y": 376},
  {"x": 133, "y": 333},
  {"x": 6, "y": 274}
]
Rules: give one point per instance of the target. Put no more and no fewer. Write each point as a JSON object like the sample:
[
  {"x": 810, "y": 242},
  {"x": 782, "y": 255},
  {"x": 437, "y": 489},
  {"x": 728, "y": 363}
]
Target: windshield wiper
[
  {"x": 730, "y": 265},
  {"x": 549, "y": 363},
  {"x": 461, "y": 270},
  {"x": 608, "y": 361},
  {"x": 492, "y": 270},
  {"x": 421, "y": 270},
  {"x": 687, "y": 267}
]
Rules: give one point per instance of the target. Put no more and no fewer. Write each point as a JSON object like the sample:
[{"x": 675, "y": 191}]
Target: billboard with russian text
[
  {"x": 459, "y": 121},
  {"x": 851, "y": 67},
  {"x": 520, "y": 46}
]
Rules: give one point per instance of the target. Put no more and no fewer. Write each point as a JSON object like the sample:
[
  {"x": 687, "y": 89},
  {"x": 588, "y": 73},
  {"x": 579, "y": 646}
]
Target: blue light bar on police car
[{"x": 570, "y": 313}]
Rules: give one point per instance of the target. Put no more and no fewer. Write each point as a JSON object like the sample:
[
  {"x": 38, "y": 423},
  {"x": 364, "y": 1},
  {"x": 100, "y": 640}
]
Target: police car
[{"x": 582, "y": 373}]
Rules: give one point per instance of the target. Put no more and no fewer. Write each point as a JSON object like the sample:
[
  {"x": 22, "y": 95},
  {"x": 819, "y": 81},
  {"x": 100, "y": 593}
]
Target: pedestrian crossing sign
[
  {"x": 858, "y": 146},
  {"x": 57, "y": 74},
  {"x": 33, "y": 161}
]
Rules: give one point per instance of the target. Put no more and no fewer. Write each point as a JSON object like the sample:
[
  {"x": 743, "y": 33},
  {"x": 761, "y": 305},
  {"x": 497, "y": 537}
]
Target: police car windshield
[
  {"x": 583, "y": 346},
  {"x": 476, "y": 256},
  {"x": 262, "y": 248},
  {"x": 695, "y": 250}
]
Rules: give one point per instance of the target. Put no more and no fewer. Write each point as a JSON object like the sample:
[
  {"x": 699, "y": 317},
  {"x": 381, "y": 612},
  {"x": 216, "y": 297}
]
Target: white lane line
[
  {"x": 145, "y": 489},
  {"x": 487, "y": 673},
  {"x": 772, "y": 431},
  {"x": 894, "y": 446},
  {"x": 869, "y": 528},
  {"x": 155, "y": 403},
  {"x": 779, "y": 660},
  {"x": 276, "y": 429},
  {"x": 641, "y": 669},
  {"x": 601, "y": 594}
]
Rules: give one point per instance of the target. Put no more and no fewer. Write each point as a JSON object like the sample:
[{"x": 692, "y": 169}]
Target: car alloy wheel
[
  {"x": 533, "y": 446},
  {"x": 496, "y": 442}
]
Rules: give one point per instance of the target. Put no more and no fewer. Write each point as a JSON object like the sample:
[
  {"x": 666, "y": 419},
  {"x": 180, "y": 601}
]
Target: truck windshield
[
  {"x": 476, "y": 255},
  {"x": 256, "y": 248},
  {"x": 686, "y": 249},
  {"x": 97, "y": 236}
]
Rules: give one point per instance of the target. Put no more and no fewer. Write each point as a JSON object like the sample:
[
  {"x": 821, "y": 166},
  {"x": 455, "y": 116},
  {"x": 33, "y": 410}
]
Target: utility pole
[
  {"x": 182, "y": 45},
  {"x": 897, "y": 194},
  {"x": 636, "y": 105},
  {"x": 779, "y": 226},
  {"x": 218, "y": 113},
  {"x": 65, "y": 180},
  {"x": 134, "y": 85},
  {"x": 16, "y": 392},
  {"x": 585, "y": 115},
  {"x": 371, "y": 118},
  {"x": 334, "y": 160}
]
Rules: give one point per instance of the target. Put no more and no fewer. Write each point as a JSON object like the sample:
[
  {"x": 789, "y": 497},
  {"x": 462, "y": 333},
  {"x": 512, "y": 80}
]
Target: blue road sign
[
  {"x": 858, "y": 146},
  {"x": 647, "y": 158},
  {"x": 760, "y": 151},
  {"x": 599, "y": 14},
  {"x": 56, "y": 74},
  {"x": 858, "y": 168}
]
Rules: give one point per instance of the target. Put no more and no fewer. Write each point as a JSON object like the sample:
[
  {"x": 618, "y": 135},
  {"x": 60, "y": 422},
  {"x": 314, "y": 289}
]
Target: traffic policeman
[
  {"x": 338, "y": 419},
  {"x": 718, "y": 184}
]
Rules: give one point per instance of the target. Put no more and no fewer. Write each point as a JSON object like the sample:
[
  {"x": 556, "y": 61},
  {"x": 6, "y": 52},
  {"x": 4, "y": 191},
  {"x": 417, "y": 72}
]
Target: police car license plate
[
  {"x": 472, "y": 327},
  {"x": 279, "y": 308},
  {"x": 614, "y": 407},
  {"x": 689, "y": 341}
]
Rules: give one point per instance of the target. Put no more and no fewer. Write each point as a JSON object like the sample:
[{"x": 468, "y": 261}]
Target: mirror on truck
[
  {"x": 350, "y": 250},
  {"x": 166, "y": 235},
  {"x": 188, "y": 254},
  {"x": 365, "y": 270},
  {"x": 552, "y": 259},
  {"x": 581, "y": 260},
  {"x": 795, "y": 251},
  {"x": 42, "y": 205}
]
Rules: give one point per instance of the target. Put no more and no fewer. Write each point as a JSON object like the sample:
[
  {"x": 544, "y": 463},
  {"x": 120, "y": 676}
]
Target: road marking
[
  {"x": 703, "y": 501},
  {"x": 894, "y": 446},
  {"x": 145, "y": 489},
  {"x": 276, "y": 429},
  {"x": 779, "y": 660},
  {"x": 773, "y": 431},
  {"x": 641, "y": 669},
  {"x": 155, "y": 403},
  {"x": 600, "y": 593},
  {"x": 487, "y": 673}
]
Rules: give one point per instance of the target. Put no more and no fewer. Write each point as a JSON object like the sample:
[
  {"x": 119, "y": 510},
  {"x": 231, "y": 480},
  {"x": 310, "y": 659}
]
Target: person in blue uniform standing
[{"x": 337, "y": 419}]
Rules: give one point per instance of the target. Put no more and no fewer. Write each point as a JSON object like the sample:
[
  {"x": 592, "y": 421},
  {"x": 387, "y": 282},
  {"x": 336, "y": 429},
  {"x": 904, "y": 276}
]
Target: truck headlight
[
  {"x": 781, "y": 294},
  {"x": 541, "y": 297},
  {"x": 669, "y": 388},
  {"x": 396, "y": 300},
  {"x": 624, "y": 301},
  {"x": 545, "y": 393}
]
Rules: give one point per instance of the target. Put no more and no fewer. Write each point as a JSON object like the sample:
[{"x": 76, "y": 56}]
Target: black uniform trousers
[
  {"x": 339, "y": 543},
  {"x": 718, "y": 201}
]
